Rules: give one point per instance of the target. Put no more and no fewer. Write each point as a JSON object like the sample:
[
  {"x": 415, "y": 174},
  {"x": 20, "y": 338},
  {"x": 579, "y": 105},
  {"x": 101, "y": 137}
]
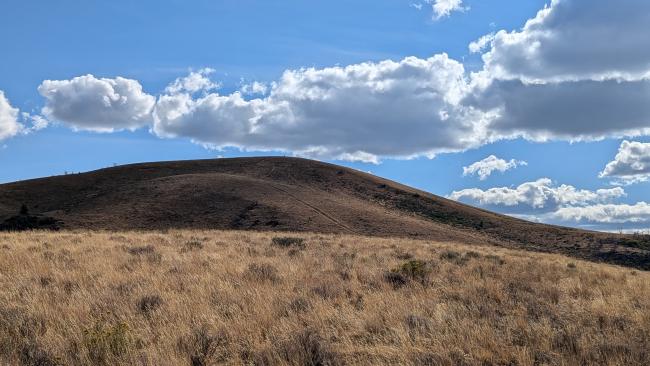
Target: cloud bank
[
  {"x": 638, "y": 213},
  {"x": 541, "y": 194}
]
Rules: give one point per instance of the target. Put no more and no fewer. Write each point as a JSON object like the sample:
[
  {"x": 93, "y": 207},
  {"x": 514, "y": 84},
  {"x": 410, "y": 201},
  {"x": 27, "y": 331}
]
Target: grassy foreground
[{"x": 213, "y": 297}]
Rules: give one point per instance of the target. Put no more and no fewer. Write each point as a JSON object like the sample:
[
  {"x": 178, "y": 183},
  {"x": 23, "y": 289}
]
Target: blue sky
[{"x": 389, "y": 87}]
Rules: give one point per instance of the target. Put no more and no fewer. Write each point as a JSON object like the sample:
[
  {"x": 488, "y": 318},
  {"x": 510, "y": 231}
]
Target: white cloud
[
  {"x": 101, "y": 105},
  {"x": 542, "y": 201},
  {"x": 194, "y": 82},
  {"x": 576, "y": 40},
  {"x": 538, "y": 195},
  {"x": 606, "y": 213},
  {"x": 485, "y": 167},
  {"x": 577, "y": 71},
  {"x": 631, "y": 164},
  {"x": 444, "y": 8},
  {"x": 480, "y": 44},
  {"x": 357, "y": 112},
  {"x": 9, "y": 125},
  {"x": 254, "y": 88}
]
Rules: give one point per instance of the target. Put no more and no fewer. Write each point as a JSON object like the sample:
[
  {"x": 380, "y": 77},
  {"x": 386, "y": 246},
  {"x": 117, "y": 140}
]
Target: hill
[{"x": 290, "y": 194}]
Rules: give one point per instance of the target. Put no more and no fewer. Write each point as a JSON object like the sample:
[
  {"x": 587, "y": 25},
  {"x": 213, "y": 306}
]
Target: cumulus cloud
[
  {"x": 485, "y": 167},
  {"x": 480, "y": 44},
  {"x": 254, "y": 88},
  {"x": 606, "y": 213},
  {"x": 576, "y": 40},
  {"x": 540, "y": 195},
  {"x": 14, "y": 122},
  {"x": 401, "y": 109},
  {"x": 444, "y": 8},
  {"x": 97, "y": 104},
  {"x": 9, "y": 125},
  {"x": 631, "y": 164},
  {"x": 357, "y": 112},
  {"x": 579, "y": 70},
  {"x": 543, "y": 201},
  {"x": 194, "y": 82}
]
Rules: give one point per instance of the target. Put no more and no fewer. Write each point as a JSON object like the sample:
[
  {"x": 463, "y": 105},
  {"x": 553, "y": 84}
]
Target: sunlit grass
[{"x": 213, "y": 297}]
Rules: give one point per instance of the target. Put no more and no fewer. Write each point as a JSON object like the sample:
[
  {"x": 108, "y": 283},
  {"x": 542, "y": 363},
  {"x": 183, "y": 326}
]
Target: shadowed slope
[{"x": 294, "y": 195}]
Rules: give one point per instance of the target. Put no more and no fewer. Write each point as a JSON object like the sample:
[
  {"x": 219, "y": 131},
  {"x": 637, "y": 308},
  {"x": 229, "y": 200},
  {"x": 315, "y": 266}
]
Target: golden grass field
[{"x": 227, "y": 297}]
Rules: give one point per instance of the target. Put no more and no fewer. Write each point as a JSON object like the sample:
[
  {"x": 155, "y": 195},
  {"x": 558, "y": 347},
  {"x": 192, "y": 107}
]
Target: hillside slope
[{"x": 290, "y": 194}]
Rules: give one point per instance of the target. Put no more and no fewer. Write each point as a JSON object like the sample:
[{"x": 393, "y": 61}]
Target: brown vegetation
[{"x": 213, "y": 297}]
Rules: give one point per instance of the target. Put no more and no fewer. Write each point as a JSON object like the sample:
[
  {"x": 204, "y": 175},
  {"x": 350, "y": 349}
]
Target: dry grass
[{"x": 211, "y": 297}]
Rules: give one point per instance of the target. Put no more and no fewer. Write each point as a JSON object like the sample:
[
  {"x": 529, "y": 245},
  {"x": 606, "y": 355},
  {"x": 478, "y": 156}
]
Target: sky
[{"x": 536, "y": 109}]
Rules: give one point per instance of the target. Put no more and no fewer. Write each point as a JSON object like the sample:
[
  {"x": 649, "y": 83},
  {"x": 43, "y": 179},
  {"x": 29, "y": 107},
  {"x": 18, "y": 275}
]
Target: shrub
[
  {"x": 306, "y": 347},
  {"x": 141, "y": 250},
  {"x": 457, "y": 258},
  {"x": 286, "y": 242},
  {"x": 396, "y": 279},
  {"x": 327, "y": 289},
  {"x": 262, "y": 272},
  {"x": 45, "y": 281},
  {"x": 19, "y": 335},
  {"x": 402, "y": 255},
  {"x": 495, "y": 258},
  {"x": 298, "y": 305},
  {"x": 204, "y": 347},
  {"x": 147, "y": 304},
  {"x": 33, "y": 355},
  {"x": 107, "y": 344},
  {"x": 450, "y": 255},
  {"x": 415, "y": 270},
  {"x": 147, "y": 251},
  {"x": 192, "y": 245}
]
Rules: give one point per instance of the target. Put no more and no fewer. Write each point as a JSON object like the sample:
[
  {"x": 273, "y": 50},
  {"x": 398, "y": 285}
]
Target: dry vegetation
[{"x": 211, "y": 297}]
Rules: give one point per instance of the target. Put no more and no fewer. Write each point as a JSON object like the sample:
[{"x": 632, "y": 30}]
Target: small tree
[{"x": 24, "y": 210}]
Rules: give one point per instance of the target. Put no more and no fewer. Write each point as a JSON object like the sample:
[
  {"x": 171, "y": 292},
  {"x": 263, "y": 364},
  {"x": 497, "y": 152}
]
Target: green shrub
[
  {"x": 413, "y": 270},
  {"x": 457, "y": 258},
  {"x": 108, "y": 344}
]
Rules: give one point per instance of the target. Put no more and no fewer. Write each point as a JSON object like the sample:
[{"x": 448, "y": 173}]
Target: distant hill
[{"x": 291, "y": 194}]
